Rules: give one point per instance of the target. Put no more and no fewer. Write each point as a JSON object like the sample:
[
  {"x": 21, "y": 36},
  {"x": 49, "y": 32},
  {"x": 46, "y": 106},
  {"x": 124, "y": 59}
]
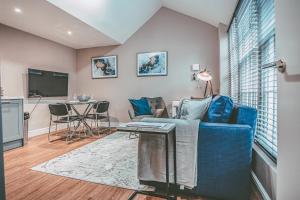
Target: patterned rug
[{"x": 111, "y": 160}]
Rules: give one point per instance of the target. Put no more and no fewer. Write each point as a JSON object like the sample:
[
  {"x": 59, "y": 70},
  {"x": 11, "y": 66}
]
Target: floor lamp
[{"x": 204, "y": 75}]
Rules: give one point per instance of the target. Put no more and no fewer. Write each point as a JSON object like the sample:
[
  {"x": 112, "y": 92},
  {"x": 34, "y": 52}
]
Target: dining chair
[
  {"x": 99, "y": 113},
  {"x": 61, "y": 113}
]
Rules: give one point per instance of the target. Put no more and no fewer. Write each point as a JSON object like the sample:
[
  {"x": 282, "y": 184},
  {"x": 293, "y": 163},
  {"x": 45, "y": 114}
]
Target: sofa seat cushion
[
  {"x": 140, "y": 107},
  {"x": 220, "y": 109}
]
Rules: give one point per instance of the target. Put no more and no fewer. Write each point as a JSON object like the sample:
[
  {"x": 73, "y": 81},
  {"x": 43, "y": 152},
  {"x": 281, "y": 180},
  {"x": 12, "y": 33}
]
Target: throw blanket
[{"x": 151, "y": 153}]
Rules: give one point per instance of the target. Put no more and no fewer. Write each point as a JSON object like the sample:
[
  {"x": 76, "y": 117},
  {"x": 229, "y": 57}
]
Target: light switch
[{"x": 195, "y": 67}]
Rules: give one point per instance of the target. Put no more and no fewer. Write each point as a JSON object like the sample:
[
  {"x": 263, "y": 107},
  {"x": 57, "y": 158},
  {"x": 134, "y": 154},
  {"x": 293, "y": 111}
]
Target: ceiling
[
  {"x": 92, "y": 23},
  {"x": 45, "y": 20},
  {"x": 210, "y": 11},
  {"x": 116, "y": 18}
]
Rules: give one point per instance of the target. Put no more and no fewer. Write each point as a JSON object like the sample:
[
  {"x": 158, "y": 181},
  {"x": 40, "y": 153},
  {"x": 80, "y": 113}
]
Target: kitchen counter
[{"x": 11, "y": 98}]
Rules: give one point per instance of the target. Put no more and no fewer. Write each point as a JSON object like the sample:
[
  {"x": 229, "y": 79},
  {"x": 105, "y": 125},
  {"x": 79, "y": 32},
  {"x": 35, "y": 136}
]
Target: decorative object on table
[
  {"x": 192, "y": 109},
  {"x": 152, "y": 64},
  {"x": 110, "y": 161},
  {"x": 83, "y": 98},
  {"x": 204, "y": 75},
  {"x": 104, "y": 67}
]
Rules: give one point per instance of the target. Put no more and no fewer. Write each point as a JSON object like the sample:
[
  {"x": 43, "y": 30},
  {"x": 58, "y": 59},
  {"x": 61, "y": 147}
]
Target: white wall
[
  {"x": 288, "y": 44},
  {"x": 187, "y": 41},
  {"x": 19, "y": 51}
]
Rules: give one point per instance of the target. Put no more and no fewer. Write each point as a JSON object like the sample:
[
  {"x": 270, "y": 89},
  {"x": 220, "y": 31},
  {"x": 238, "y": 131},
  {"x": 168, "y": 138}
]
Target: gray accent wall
[{"x": 187, "y": 41}]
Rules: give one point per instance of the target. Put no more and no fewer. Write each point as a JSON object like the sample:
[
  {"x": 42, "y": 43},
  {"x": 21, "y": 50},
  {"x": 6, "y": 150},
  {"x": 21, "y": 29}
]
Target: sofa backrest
[
  {"x": 241, "y": 114},
  {"x": 244, "y": 115}
]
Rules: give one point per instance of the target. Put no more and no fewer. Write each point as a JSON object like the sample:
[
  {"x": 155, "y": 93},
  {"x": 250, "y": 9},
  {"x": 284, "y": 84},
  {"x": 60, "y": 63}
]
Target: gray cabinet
[{"x": 12, "y": 123}]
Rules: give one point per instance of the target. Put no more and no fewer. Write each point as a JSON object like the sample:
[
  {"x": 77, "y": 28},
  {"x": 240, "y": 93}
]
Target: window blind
[
  {"x": 266, "y": 133},
  {"x": 233, "y": 62},
  {"x": 252, "y": 81}
]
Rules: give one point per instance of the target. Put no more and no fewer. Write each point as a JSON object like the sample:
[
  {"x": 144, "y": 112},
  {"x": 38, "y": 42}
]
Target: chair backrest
[
  {"x": 101, "y": 106},
  {"x": 58, "y": 109},
  {"x": 68, "y": 106}
]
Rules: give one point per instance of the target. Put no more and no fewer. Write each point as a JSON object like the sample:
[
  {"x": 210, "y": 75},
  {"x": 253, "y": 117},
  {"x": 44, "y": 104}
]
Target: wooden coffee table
[{"x": 165, "y": 129}]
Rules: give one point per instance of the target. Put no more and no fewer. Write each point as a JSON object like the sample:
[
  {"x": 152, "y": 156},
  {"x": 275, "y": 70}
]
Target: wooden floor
[{"x": 24, "y": 184}]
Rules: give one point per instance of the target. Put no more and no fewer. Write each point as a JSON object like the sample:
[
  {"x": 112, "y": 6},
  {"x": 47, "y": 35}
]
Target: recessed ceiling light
[
  {"x": 18, "y": 10},
  {"x": 69, "y": 32}
]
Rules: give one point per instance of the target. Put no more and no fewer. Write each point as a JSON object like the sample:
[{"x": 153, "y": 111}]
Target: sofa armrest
[
  {"x": 245, "y": 115},
  {"x": 224, "y": 160}
]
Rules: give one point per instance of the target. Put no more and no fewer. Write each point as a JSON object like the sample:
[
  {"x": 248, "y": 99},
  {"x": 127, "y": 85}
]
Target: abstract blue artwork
[
  {"x": 104, "y": 67},
  {"x": 152, "y": 64}
]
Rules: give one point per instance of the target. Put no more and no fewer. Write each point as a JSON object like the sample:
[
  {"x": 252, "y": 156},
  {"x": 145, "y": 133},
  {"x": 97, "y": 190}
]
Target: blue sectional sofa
[{"x": 224, "y": 152}]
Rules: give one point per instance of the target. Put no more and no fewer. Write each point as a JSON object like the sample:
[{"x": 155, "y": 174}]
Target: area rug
[{"x": 111, "y": 160}]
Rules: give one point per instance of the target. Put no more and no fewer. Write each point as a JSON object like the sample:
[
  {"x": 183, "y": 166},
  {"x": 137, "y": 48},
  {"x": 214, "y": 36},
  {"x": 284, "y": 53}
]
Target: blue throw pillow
[
  {"x": 220, "y": 110},
  {"x": 140, "y": 106}
]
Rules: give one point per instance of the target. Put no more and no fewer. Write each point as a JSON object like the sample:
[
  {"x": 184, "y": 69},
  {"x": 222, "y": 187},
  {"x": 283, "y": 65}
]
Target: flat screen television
[{"x": 47, "y": 83}]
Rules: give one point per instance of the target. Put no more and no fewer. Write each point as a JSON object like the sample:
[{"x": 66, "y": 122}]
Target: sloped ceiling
[
  {"x": 101, "y": 22},
  {"x": 210, "y": 11},
  {"x": 118, "y": 19},
  {"x": 43, "y": 19}
]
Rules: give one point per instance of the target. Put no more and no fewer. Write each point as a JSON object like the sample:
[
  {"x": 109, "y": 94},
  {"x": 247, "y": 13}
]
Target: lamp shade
[{"x": 204, "y": 76}]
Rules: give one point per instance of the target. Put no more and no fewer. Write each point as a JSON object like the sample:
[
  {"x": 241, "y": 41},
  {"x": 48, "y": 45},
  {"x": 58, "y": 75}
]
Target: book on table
[{"x": 146, "y": 124}]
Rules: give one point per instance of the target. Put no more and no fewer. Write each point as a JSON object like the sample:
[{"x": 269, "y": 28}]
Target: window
[{"x": 252, "y": 74}]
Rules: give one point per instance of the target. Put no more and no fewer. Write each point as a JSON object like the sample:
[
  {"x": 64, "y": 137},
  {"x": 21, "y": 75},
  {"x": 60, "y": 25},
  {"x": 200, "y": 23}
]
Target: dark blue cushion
[
  {"x": 220, "y": 109},
  {"x": 140, "y": 106}
]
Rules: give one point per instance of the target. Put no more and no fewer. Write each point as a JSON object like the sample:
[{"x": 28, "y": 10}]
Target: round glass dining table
[{"x": 82, "y": 115}]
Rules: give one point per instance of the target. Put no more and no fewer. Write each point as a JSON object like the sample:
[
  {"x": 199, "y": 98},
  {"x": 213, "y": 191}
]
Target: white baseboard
[
  {"x": 260, "y": 187},
  {"x": 41, "y": 131},
  {"x": 112, "y": 124}
]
